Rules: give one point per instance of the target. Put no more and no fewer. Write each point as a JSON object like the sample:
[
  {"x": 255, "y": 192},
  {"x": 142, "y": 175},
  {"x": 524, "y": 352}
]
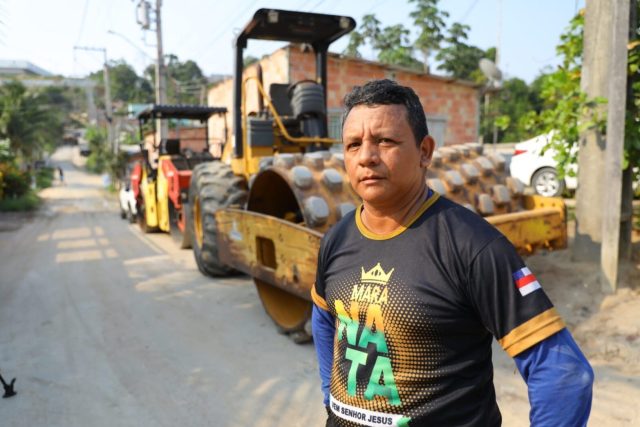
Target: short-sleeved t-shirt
[{"x": 416, "y": 312}]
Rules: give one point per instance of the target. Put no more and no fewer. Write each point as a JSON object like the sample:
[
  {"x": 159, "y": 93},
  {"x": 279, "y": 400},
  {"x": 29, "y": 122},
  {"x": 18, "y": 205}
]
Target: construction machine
[
  {"x": 160, "y": 181},
  {"x": 281, "y": 186}
]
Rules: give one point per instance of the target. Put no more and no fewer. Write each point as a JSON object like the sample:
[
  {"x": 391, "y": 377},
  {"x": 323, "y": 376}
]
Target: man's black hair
[{"x": 388, "y": 92}]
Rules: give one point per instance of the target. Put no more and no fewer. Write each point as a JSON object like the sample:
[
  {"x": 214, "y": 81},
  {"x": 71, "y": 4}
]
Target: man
[{"x": 411, "y": 288}]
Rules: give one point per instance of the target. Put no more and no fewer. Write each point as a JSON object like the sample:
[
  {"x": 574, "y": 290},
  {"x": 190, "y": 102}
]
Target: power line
[
  {"x": 225, "y": 29},
  {"x": 84, "y": 16},
  {"x": 469, "y": 10},
  {"x": 317, "y": 4}
]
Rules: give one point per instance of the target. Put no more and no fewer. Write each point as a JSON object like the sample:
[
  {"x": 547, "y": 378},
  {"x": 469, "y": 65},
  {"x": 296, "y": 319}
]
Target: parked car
[
  {"x": 538, "y": 170},
  {"x": 127, "y": 202}
]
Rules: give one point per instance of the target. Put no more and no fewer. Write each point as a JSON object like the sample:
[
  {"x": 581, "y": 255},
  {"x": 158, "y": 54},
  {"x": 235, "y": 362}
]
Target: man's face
[{"x": 385, "y": 166}]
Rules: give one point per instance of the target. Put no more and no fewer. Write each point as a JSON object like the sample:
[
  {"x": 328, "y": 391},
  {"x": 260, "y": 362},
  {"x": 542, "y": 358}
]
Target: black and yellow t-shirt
[{"x": 416, "y": 312}]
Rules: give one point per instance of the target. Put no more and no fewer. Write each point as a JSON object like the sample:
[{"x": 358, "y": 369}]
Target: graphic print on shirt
[{"x": 377, "y": 346}]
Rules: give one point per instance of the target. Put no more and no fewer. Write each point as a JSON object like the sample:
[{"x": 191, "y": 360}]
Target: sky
[{"x": 44, "y": 32}]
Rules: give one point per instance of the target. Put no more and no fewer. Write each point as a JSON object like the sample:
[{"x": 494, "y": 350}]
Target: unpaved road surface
[{"x": 104, "y": 326}]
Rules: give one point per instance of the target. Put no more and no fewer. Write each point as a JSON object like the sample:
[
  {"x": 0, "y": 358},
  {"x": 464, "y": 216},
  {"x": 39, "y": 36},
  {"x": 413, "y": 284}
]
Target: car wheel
[{"x": 545, "y": 182}]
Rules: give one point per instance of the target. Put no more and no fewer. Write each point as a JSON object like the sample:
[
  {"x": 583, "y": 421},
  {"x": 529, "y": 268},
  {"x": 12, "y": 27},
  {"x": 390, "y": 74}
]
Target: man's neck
[{"x": 384, "y": 220}]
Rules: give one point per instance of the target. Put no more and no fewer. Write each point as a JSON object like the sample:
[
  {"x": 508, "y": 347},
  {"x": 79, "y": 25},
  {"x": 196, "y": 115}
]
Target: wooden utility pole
[{"x": 615, "y": 142}]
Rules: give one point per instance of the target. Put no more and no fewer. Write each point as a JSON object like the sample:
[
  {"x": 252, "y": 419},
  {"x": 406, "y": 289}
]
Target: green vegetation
[
  {"x": 32, "y": 121},
  {"x": 101, "y": 154},
  {"x": 567, "y": 111},
  {"x": 27, "y": 202},
  {"x": 16, "y": 193},
  {"x": 44, "y": 177}
]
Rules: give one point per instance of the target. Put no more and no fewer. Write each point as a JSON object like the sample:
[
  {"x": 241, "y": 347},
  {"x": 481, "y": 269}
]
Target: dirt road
[{"x": 105, "y": 326}]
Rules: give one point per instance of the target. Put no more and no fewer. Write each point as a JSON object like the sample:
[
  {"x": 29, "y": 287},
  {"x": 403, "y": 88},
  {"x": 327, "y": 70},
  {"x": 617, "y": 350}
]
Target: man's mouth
[{"x": 370, "y": 178}]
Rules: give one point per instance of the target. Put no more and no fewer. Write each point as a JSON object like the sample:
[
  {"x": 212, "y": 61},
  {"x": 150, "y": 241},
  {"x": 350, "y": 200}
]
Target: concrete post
[
  {"x": 596, "y": 64},
  {"x": 615, "y": 142}
]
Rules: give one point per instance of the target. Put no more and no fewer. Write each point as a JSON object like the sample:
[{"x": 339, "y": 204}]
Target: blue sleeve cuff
[
  {"x": 559, "y": 379},
  {"x": 323, "y": 327}
]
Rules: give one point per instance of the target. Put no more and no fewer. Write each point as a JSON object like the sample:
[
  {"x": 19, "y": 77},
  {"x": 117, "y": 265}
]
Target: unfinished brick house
[{"x": 451, "y": 106}]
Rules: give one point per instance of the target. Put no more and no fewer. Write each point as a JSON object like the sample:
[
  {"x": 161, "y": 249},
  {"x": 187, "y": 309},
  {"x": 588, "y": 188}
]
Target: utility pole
[
  {"x": 597, "y": 61},
  {"x": 498, "y": 49},
  {"x": 615, "y": 143},
  {"x": 161, "y": 86},
  {"x": 143, "y": 10},
  {"x": 107, "y": 93}
]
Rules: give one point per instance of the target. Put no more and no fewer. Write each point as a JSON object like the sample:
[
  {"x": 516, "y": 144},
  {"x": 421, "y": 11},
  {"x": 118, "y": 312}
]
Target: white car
[
  {"x": 127, "y": 202},
  {"x": 538, "y": 170}
]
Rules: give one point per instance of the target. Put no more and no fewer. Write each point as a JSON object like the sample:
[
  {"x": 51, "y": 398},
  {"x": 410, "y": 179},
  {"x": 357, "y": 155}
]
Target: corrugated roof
[{"x": 26, "y": 66}]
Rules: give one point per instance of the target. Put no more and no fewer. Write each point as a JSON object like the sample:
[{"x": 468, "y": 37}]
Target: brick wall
[{"x": 449, "y": 103}]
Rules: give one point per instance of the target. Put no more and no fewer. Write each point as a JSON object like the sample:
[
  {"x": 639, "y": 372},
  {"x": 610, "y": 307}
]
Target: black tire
[
  {"x": 545, "y": 182},
  {"x": 213, "y": 186},
  {"x": 183, "y": 240}
]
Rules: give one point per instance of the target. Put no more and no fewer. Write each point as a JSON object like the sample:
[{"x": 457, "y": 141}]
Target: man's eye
[{"x": 353, "y": 145}]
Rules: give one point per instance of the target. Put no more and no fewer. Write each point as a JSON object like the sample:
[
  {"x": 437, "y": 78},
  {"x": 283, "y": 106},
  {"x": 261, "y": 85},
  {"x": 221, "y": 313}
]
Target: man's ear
[{"x": 427, "y": 146}]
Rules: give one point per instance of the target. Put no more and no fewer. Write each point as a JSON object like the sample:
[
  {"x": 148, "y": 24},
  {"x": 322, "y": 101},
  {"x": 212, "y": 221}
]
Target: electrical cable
[
  {"x": 469, "y": 10},
  {"x": 225, "y": 29},
  {"x": 82, "y": 21}
]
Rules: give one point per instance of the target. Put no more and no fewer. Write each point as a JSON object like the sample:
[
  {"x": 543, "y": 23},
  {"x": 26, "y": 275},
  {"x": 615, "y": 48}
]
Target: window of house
[
  {"x": 437, "y": 125},
  {"x": 334, "y": 123}
]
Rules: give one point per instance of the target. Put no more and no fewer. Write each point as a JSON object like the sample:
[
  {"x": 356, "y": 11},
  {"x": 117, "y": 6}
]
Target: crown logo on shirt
[{"x": 376, "y": 275}]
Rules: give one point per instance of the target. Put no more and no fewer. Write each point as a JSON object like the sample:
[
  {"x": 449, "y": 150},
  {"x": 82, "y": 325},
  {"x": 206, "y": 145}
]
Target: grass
[{"x": 28, "y": 202}]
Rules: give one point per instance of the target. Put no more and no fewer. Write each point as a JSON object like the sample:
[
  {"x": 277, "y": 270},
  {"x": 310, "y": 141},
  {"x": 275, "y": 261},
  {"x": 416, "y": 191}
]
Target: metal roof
[
  {"x": 194, "y": 112},
  {"x": 295, "y": 27},
  {"x": 12, "y": 66}
]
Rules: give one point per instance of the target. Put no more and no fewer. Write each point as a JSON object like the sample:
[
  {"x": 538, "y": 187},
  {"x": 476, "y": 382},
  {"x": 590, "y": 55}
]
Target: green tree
[
  {"x": 564, "y": 105},
  {"x": 29, "y": 120},
  {"x": 356, "y": 39},
  {"x": 126, "y": 85},
  {"x": 185, "y": 80},
  {"x": 458, "y": 58},
  {"x": 431, "y": 22},
  {"x": 368, "y": 31},
  {"x": 391, "y": 43},
  {"x": 508, "y": 107}
]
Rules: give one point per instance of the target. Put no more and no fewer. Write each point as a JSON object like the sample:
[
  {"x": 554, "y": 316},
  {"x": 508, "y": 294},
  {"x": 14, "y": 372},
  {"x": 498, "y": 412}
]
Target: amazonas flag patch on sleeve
[{"x": 525, "y": 281}]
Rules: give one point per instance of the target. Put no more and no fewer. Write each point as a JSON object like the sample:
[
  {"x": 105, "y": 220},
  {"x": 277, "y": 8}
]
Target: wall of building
[{"x": 451, "y": 105}]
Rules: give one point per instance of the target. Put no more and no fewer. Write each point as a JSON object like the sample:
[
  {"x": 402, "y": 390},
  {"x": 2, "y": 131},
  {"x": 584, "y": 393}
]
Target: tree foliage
[
  {"x": 126, "y": 86},
  {"x": 566, "y": 109},
  {"x": 515, "y": 100},
  {"x": 564, "y": 104},
  {"x": 185, "y": 80},
  {"x": 458, "y": 58},
  {"x": 32, "y": 121},
  {"x": 431, "y": 23},
  {"x": 632, "y": 123},
  {"x": 391, "y": 43}
]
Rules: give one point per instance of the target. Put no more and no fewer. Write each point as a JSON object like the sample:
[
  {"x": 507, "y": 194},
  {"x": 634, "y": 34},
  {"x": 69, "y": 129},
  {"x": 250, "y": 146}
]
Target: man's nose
[{"x": 369, "y": 153}]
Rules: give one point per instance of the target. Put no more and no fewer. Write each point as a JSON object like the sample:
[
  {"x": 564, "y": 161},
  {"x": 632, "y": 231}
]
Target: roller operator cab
[
  {"x": 160, "y": 181},
  {"x": 264, "y": 208}
]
